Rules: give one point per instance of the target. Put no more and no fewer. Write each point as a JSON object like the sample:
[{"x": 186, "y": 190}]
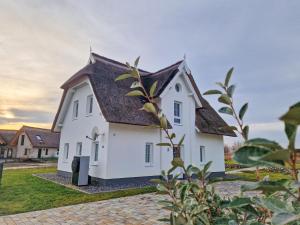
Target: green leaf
[
  {"x": 177, "y": 162},
  {"x": 278, "y": 157},
  {"x": 220, "y": 84},
  {"x": 268, "y": 187},
  {"x": 164, "y": 144},
  {"x": 135, "y": 73},
  {"x": 243, "y": 155},
  {"x": 224, "y": 99},
  {"x": 246, "y": 132},
  {"x": 213, "y": 92},
  {"x": 285, "y": 218},
  {"x": 226, "y": 110},
  {"x": 135, "y": 93},
  {"x": 243, "y": 111},
  {"x": 149, "y": 107},
  {"x": 136, "y": 84},
  {"x": 228, "y": 76},
  {"x": 274, "y": 204},
  {"x": 128, "y": 65},
  {"x": 153, "y": 89},
  {"x": 136, "y": 62},
  {"x": 181, "y": 140},
  {"x": 291, "y": 132},
  {"x": 123, "y": 77},
  {"x": 263, "y": 142},
  {"x": 239, "y": 202},
  {"x": 230, "y": 90},
  {"x": 173, "y": 135},
  {"x": 207, "y": 166},
  {"x": 293, "y": 115},
  {"x": 163, "y": 122}
]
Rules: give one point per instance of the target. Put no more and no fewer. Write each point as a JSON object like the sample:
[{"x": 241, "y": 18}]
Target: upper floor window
[
  {"x": 177, "y": 87},
  {"x": 75, "y": 109},
  {"x": 177, "y": 112},
  {"x": 149, "y": 154},
  {"x": 22, "y": 139},
  {"x": 79, "y": 148},
  {"x": 202, "y": 154},
  {"x": 89, "y": 105}
]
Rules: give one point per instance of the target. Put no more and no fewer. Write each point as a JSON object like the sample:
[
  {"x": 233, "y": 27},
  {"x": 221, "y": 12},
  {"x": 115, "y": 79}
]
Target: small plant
[{"x": 194, "y": 201}]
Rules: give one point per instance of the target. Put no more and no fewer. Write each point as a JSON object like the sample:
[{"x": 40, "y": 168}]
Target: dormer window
[
  {"x": 39, "y": 138},
  {"x": 75, "y": 109},
  {"x": 178, "y": 113}
]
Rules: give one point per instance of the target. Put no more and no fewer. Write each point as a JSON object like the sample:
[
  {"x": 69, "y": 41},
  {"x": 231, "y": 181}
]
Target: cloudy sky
[{"x": 42, "y": 43}]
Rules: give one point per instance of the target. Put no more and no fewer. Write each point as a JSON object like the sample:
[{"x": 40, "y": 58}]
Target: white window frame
[
  {"x": 89, "y": 105},
  {"x": 93, "y": 155},
  {"x": 66, "y": 151},
  {"x": 75, "y": 109},
  {"x": 176, "y": 117},
  {"x": 79, "y": 148},
  {"x": 151, "y": 155},
  {"x": 202, "y": 155}
]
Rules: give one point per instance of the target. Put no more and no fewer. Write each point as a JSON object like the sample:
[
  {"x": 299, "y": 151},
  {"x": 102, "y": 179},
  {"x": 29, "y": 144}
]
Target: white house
[
  {"x": 96, "y": 119},
  {"x": 6, "y": 150},
  {"x": 33, "y": 142}
]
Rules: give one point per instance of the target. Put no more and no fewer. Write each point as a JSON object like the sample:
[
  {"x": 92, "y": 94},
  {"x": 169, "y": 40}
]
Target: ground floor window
[
  {"x": 202, "y": 154},
  {"x": 66, "y": 151},
  {"x": 25, "y": 151},
  {"x": 149, "y": 154},
  {"x": 46, "y": 151},
  {"x": 95, "y": 151},
  {"x": 79, "y": 148}
]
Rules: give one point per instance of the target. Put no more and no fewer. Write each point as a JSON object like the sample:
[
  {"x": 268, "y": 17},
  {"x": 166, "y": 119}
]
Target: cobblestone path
[{"x": 139, "y": 209}]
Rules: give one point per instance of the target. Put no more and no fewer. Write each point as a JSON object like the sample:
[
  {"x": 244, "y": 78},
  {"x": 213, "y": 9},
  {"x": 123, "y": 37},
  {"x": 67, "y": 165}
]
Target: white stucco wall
[
  {"x": 126, "y": 152},
  {"x": 76, "y": 130},
  {"x": 21, "y": 148}
]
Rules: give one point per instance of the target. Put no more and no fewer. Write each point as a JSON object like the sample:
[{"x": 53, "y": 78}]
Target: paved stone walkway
[{"x": 135, "y": 210}]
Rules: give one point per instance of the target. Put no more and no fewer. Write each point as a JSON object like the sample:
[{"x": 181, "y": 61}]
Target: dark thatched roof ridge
[{"x": 118, "y": 108}]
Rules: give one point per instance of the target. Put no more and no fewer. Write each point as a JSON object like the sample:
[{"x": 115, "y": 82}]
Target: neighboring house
[
  {"x": 96, "y": 119},
  {"x": 32, "y": 142},
  {"x": 7, "y": 151}
]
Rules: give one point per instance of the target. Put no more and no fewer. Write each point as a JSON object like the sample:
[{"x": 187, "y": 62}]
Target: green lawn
[
  {"x": 22, "y": 192},
  {"x": 251, "y": 176}
]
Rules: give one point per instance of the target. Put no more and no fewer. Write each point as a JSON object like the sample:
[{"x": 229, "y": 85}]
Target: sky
[{"x": 43, "y": 43}]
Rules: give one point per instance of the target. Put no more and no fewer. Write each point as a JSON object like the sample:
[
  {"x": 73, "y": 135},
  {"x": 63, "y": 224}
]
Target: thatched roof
[
  {"x": 39, "y": 137},
  {"x": 6, "y": 136},
  {"x": 118, "y": 108}
]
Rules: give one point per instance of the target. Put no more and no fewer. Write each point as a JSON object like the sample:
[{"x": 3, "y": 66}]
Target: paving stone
[{"x": 140, "y": 210}]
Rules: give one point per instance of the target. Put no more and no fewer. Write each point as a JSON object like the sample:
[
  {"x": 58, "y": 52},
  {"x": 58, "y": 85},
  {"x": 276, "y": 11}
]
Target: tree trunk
[{"x": 176, "y": 152}]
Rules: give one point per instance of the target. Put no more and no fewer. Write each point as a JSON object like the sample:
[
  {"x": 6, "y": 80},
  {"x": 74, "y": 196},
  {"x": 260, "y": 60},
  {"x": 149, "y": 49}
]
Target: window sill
[
  {"x": 88, "y": 115},
  {"x": 94, "y": 165},
  {"x": 75, "y": 119},
  {"x": 148, "y": 165},
  {"x": 178, "y": 124}
]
